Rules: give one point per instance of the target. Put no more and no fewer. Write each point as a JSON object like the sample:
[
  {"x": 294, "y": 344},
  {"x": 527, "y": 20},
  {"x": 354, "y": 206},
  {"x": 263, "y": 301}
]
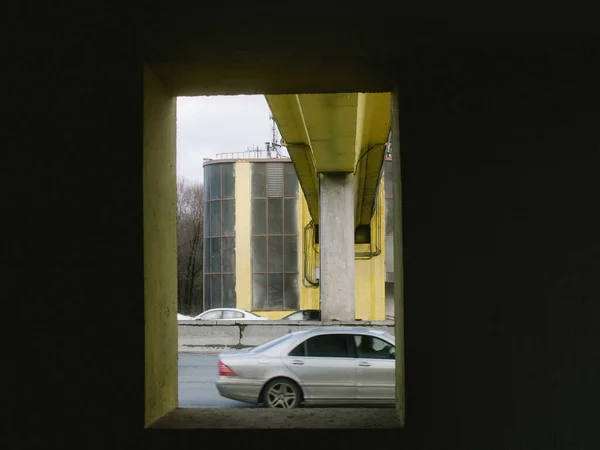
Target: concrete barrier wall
[{"x": 214, "y": 337}]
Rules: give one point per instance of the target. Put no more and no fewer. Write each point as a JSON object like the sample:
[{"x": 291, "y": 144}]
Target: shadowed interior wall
[
  {"x": 160, "y": 249},
  {"x": 499, "y": 179},
  {"x": 398, "y": 260},
  {"x": 500, "y": 158}
]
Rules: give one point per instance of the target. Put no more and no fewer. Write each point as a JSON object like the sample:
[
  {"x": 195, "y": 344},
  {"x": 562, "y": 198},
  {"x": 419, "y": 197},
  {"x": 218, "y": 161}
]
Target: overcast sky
[{"x": 210, "y": 125}]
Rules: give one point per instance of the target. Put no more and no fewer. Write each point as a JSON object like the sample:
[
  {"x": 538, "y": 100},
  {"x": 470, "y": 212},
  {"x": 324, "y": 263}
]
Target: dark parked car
[{"x": 304, "y": 314}]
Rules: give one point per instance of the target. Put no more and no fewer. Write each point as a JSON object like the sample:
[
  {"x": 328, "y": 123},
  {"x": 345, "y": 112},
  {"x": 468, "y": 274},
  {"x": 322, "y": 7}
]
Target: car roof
[
  {"x": 342, "y": 330},
  {"x": 227, "y": 309}
]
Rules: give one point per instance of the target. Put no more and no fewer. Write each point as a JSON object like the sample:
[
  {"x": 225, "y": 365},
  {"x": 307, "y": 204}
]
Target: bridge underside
[{"x": 344, "y": 133}]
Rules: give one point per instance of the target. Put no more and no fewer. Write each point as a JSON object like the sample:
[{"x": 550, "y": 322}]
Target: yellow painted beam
[
  {"x": 289, "y": 118},
  {"x": 374, "y": 117},
  {"x": 335, "y": 133},
  {"x": 330, "y": 121},
  {"x": 304, "y": 164}
]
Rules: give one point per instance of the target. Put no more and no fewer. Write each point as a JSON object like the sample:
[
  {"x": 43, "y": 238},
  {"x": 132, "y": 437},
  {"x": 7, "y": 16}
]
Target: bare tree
[{"x": 190, "y": 246}]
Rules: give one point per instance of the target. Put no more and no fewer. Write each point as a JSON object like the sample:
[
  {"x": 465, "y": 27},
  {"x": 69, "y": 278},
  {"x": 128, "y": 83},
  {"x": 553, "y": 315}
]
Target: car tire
[{"x": 281, "y": 393}]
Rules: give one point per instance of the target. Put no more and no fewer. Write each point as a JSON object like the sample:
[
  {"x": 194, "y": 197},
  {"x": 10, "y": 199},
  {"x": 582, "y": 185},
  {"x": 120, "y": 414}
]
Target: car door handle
[
  {"x": 364, "y": 364},
  {"x": 298, "y": 362}
]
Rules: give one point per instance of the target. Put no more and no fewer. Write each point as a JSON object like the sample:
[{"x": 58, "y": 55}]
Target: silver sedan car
[
  {"x": 228, "y": 314},
  {"x": 324, "y": 365}
]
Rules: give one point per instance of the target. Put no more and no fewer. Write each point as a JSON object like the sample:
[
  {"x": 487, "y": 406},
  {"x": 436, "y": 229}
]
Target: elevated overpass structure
[{"x": 337, "y": 144}]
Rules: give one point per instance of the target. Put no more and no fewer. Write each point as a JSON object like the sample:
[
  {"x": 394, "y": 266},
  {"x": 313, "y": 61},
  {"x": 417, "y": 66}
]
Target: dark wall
[{"x": 500, "y": 155}]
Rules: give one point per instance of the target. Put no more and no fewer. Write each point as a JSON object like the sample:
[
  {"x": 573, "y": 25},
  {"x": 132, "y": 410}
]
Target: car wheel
[{"x": 282, "y": 393}]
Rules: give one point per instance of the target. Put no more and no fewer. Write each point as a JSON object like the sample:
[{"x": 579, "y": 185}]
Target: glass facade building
[
  {"x": 219, "y": 236},
  {"x": 273, "y": 229}
]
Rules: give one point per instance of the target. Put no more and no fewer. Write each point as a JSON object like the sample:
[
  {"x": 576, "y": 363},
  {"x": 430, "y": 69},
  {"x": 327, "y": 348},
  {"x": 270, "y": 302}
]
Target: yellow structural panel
[
  {"x": 243, "y": 214},
  {"x": 369, "y": 282},
  {"x": 371, "y": 140}
]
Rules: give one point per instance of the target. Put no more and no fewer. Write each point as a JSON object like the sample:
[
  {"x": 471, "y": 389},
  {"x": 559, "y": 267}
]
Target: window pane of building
[
  {"x": 215, "y": 181},
  {"x": 215, "y": 255},
  {"x": 228, "y": 291},
  {"x": 227, "y": 181},
  {"x": 207, "y": 293},
  {"x": 275, "y": 254},
  {"x": 207, "y": 175},
  {"x": 228, "y": 217},
  {"x": 259, "y": 180},
  {"x": 275, "y": 216},
  {"x": 290, "y": 254},
  {"x": 206, "y": 255},
  {"x": 259, "y": 291},
  {"x": 207, "y": 210},
  {"x": 228, "y": 254},
  {"x": 290, "y": 181},
  {"x": 216, "y": 290},
  {"x": 291, "y": 291},
  {"x": 259, "y": 216},
  {"x": 259, "y": 254},
  {"x": 290, "y": 216},
  {"x": 215, "y": 219},
  {"x": 275, "y": 290}
]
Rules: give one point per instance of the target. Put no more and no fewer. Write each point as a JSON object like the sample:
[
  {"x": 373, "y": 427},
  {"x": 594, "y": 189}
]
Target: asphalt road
[{"x": 197, "y": 375}]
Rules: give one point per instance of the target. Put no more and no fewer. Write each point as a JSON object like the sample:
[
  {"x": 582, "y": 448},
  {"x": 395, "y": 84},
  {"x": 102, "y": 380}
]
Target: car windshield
[
  {"x": 268, "y": 345},
  {"x": 294, "y": 316}
]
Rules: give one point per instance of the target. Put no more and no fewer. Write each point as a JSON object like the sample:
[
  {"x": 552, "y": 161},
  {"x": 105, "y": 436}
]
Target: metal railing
[{"x": 252, "y": 154}]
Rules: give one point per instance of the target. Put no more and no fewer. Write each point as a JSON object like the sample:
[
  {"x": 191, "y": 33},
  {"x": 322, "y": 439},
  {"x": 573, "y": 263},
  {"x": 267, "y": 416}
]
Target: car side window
[
  {"x": 213, "y": 315},
  {"x": 232, "y": 315},
  {"x": 328, "y": 346},
  {"x": 299, "y": 350},
  {"x": 314, "y": 315},
  {"x": 372, "y": 347}
]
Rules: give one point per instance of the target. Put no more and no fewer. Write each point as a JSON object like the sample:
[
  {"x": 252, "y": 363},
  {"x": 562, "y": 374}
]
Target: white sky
[{"x": 219, "y": 124}]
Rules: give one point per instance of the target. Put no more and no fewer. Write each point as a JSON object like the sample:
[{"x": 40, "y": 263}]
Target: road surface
[{"x": 197, "y": 375}]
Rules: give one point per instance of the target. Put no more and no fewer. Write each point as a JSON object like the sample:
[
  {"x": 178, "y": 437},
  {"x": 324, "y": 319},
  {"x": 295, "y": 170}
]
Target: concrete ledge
[
  {"x": 213, "y": 337},
  {"x": 263, "y": 418}
]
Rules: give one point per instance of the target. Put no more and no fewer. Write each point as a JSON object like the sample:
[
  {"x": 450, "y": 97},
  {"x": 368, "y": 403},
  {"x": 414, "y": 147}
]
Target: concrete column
[
  {"x": 160, "y": 248},
  {"x": 336, "y": 245}
]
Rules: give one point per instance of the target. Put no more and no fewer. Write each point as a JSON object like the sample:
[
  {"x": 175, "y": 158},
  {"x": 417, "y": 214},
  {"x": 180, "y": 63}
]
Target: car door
[
  {"x": 325, "y": 367},
  {"x": 375, "y": 372}
]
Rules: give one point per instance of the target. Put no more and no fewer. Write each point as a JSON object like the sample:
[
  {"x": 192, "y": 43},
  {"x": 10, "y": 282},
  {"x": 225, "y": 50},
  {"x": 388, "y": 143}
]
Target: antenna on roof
[{"x": 274, "y": 144}]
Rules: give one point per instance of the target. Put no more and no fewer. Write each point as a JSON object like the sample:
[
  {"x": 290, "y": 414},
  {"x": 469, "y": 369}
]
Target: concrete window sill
[{"x": 263, "y": 418}]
